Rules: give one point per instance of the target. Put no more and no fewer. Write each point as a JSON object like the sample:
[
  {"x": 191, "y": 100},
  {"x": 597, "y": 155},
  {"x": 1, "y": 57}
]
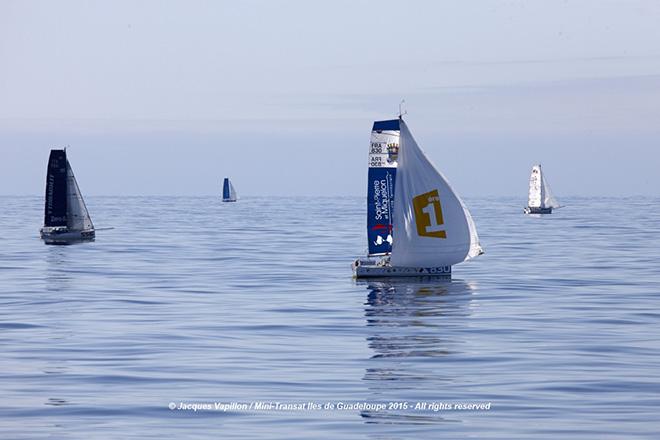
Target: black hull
[{"x": 535, "y": 210}]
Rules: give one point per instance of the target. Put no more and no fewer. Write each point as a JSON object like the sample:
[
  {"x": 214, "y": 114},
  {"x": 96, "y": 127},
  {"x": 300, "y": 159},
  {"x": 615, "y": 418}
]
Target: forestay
[{"x": 432, "y": 226}]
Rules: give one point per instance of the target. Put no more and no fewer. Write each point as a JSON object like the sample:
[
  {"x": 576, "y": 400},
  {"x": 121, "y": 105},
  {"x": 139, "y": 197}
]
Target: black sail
[{"x": 56, "y": 190}]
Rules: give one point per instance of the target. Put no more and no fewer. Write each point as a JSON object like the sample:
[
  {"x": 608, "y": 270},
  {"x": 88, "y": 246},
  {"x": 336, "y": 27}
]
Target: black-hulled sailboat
[
  {"x": 228, "y": 191},
  {"x": 66, "y": 219}
]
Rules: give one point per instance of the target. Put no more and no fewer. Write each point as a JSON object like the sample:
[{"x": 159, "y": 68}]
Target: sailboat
[
  {"x": 66, "y": 219},
  {"x": 541, "y": 200},
  {"x": 416, "y": 224},
  {"x": 228, "y": 191}
]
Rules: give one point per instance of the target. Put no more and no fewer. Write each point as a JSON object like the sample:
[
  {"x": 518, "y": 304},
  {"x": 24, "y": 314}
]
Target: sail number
[
  {"x": 377, "y": 148},
  {"x": 376, "y": 161}
]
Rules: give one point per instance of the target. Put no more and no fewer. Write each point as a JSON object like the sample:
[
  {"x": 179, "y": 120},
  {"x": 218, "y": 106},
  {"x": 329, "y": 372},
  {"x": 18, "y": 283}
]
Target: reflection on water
[
  {"x": 407, "y": 316},
  {"x": 58, "y": 263},
  {"x": 58, "y": 282},
  {"x": 57, "y": 402},
  {"x": 410, "y": 331}
]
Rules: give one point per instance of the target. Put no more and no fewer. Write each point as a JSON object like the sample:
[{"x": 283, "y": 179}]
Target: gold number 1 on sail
[{"x": 428, "y": 215}]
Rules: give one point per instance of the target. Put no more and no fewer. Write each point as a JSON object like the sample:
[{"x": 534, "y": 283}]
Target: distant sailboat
[
  {"x": 66, "y": 219},
  {"x": 228, "y": 191},
  {"x": 418, "y": 226},
  {"x": 541, "y": 200}
]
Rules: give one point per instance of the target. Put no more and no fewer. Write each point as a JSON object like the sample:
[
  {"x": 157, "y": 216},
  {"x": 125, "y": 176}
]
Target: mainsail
[
  {"x": 56, "y": 193},
  {"x": 432, "y": 226},
  {"x": 383, "y": 151},
  {"x": 228, "y": 191},
  {"x": 536, "y": 198},
  {"x": 78, "y": 218}
]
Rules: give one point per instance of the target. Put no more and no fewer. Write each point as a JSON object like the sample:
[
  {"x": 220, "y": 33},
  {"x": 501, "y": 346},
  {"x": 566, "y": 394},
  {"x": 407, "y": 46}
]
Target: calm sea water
[{"x": 190, "y": 300}]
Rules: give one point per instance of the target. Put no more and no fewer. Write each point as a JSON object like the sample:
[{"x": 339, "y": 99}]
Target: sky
[{"x": 168, "y": 98}]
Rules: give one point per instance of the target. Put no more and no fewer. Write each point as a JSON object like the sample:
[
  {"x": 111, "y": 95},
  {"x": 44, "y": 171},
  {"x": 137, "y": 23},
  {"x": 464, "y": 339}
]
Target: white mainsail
[
  {"x": 432, "y": 226},
  {"x": 78, "y": 218},
  {"x": 536, "y": 198}
]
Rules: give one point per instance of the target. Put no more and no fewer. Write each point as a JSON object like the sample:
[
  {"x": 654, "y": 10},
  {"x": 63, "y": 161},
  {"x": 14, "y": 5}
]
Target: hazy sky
[{"x": 158, "y": 97}]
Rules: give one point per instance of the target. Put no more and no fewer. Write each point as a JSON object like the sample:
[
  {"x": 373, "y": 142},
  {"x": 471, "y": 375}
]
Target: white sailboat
[
  {"x": 431, "y": 228},
  {"x": 540, "y": 200},
  {"x": 66, "y": 219},
  {"x": 228, "y": 191}
]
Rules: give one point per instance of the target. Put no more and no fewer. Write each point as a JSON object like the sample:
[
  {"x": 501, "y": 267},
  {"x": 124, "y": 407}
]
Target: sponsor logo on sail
[
  {"x": 428, "y": 215},
  {"x": 392, "y": 152}
]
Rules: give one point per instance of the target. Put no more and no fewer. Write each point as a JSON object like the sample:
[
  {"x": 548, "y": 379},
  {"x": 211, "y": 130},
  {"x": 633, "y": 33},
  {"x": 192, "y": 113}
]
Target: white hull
[
  {"x": 372, "y": 269},
  {"x": 64, "y": 236}
]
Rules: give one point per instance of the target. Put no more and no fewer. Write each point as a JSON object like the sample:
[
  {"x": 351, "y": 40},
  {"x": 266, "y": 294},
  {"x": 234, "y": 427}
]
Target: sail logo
[
  {"x": 392, "y": 152},
  {"x": 428, "y": 215}
]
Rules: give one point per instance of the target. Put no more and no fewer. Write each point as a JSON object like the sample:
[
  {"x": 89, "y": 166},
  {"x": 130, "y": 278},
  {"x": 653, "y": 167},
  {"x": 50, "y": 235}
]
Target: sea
[{"x": 192, "y": 318}]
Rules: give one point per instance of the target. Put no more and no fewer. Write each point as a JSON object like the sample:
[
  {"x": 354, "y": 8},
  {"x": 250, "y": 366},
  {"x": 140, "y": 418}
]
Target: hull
[
  {"x": 63, "y": 236},
  {"x": 373, "y": 269},
  {"x": 536, "y": 210},
  {"x": 228, "y": 200}
]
